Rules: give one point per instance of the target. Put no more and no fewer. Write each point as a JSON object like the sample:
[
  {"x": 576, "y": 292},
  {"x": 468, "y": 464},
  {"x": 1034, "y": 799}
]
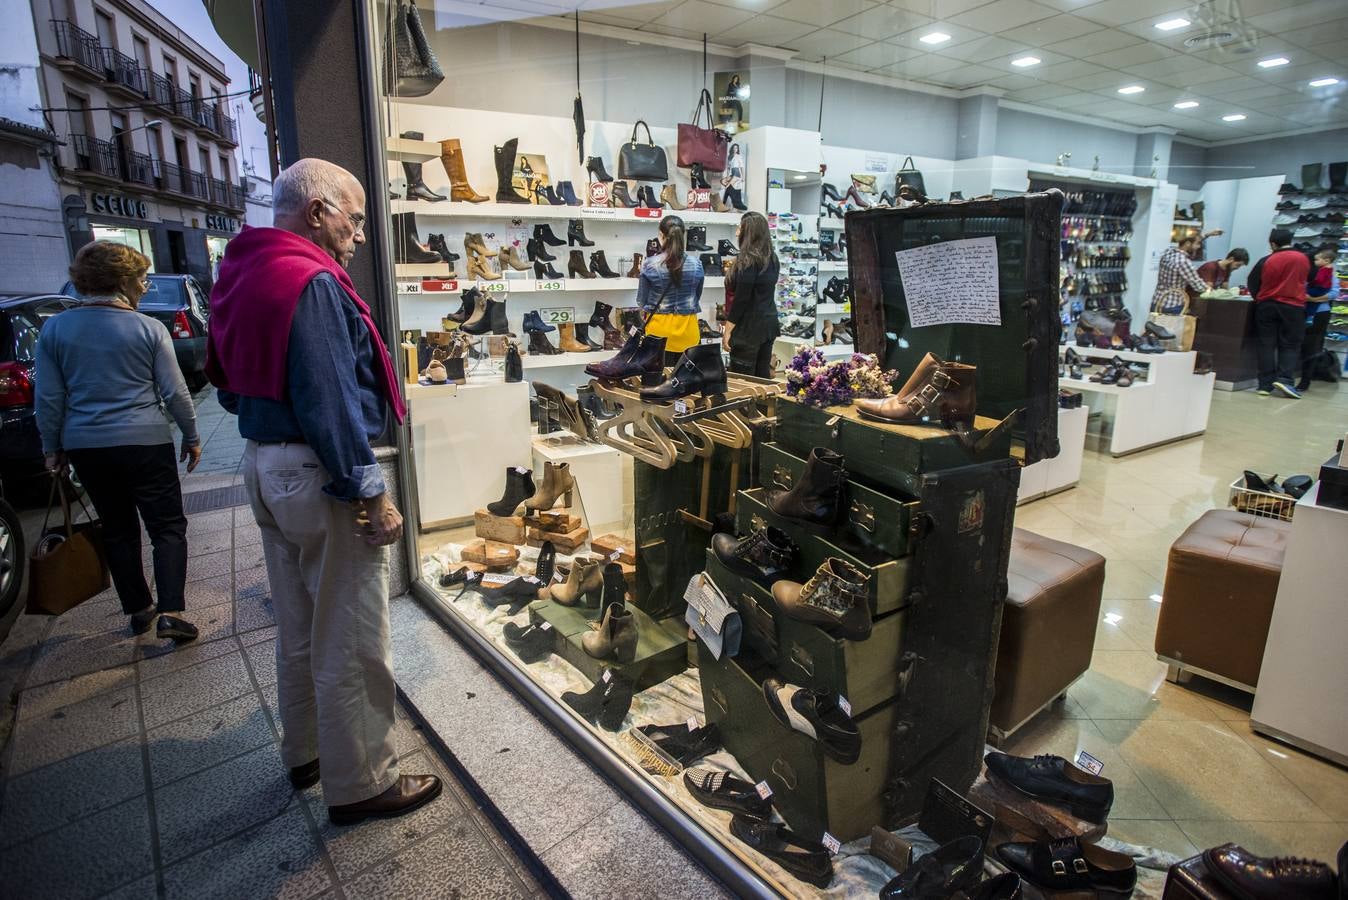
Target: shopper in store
[
  {"x": 297, "y": 357},
  {"x": 1217, "y": 272},
  {"x": 1278, "y": 285},
  {"x": 104, "y": 378},
  {"x": 1177, "y": 273},
  {"x": 1321, "y": 291},
  {"x": 751, "y": 316},
  {"x": 669, "y": 291}
]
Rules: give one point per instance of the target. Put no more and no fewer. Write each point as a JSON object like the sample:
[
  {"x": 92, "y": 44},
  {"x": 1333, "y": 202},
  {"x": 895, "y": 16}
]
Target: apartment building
[{"x": 149, "y": 146}]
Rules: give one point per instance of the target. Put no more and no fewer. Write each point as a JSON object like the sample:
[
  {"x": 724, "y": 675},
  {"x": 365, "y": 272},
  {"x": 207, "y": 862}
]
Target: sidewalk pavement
[{"x": 138, "y": 770}]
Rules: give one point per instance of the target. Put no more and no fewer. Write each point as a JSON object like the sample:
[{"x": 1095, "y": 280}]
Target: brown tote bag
[
  {"x": 63, "y": 574},
  {"x": 697, "y": 144}
]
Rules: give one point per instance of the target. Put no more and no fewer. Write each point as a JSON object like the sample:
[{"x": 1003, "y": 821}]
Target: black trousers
[
  {"x": 1278, "y": 328},
  {"x": 1313, "y": 344},
  {"x": 124, "y": 481},
  {"x": 754, "y": 359}
]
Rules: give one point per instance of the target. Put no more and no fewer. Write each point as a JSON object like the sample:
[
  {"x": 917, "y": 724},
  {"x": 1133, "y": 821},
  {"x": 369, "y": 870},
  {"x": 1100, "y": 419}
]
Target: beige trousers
[{"x": 329, "y": 590}]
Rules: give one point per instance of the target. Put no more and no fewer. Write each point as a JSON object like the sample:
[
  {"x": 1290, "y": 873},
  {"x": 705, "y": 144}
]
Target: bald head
[{"x": 323, "y": 202}]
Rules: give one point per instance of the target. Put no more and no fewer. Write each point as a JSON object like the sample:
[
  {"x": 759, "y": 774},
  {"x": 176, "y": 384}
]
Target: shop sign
[
  {"x": 645, "y": 212},
  {"x": 124, "y": 205},
  {"x": 222, "y": 223},
  {"x": 877, "y": 163}
]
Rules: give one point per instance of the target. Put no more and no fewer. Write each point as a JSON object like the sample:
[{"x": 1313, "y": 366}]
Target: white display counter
[{"x": 1061, "y": 472}]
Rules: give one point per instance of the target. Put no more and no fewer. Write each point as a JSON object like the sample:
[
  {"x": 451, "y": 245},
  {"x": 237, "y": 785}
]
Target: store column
[
  {"x": 1152, "y": 157},
  {"x": 976, "y": 128},
  {"x": 767, "y": 84}
]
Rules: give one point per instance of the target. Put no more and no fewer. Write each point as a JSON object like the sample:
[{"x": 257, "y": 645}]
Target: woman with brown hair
[
  {"x": 105, "y": 377},
  {"x": 751, "y": 317},
  {"x": 670, "y": 291}
]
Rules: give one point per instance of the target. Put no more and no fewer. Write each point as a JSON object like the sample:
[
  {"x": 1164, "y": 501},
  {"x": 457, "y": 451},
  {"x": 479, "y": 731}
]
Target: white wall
[
  {"x": 1041, "y": 138},
  {"x": 1244, "y": 209}
]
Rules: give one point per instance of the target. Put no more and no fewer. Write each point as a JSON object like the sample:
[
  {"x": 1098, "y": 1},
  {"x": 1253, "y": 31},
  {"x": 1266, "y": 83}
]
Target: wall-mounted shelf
[
  {"x": 831, "y": 309},
  {"x": 528, "y": 211},
  {"x": 405, "y": 150},
  {"x": 523, "y": 285}
]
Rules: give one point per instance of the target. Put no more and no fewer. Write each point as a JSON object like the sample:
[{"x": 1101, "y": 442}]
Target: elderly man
[{"x": 296, "y": 356}]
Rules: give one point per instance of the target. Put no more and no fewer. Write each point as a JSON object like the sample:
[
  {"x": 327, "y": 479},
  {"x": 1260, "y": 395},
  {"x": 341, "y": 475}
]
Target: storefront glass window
[
  {"x": 215, "y": 249},
  {"x": 136, "y": 238}
]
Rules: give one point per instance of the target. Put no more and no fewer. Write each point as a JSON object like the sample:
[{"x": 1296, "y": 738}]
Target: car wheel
[{"x": 12, "y": 556}]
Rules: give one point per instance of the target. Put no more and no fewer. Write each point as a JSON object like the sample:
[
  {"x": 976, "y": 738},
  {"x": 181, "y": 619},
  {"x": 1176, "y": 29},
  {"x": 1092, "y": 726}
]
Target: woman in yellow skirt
[{"x": 670, "y": 291}]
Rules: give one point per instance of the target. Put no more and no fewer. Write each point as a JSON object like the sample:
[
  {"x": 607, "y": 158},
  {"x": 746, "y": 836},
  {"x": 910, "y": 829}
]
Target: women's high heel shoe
[
  {"x": 855, "y": 196},
  {"x": 599, "y": 265},
  {"x": 736, "y": 198},
  {"x": 538, "y": 251},
  {"x": 575, "y": 234},
  {"x": 831, "y": 193},
  {"x": 700, "y": 368},
  {"x": 543, "y": 233},
  {"x": 493, "y": 320},
  {"x": 620, "y": 198},
  {"x": 540, "y": 345},
  {"x": 474, "y": 243},
  {"x": 615, "y": 638},
  {"x": 602, "y": 318},
  {"x": 478, "y": 268},
  {"x": 467, "y": 298},
  {"x": 557, "y": 482},
  {"x": 552, "y": 197},
  {"x": 585, "y": 579},
  {"x": 510, "y": 256},
  {"x": 646, "y": 197},
  {"x": 513, "y": 372},
  {"x": 544, "y": 271},
  {"x": 698, "y": 176},
  {"x": 519, "y": 487},
  {"x": 719, "y": 205},
  {"x": 832, "y": 210},
  {"x": 669, "y": 196},
  {"x": 437, "y": 244},
  {"x": 567, "y": 192},
  {"x": 451, "y": 155},
  {"x": 635, "y": 271},
  {"x": 595, "y": 167}
]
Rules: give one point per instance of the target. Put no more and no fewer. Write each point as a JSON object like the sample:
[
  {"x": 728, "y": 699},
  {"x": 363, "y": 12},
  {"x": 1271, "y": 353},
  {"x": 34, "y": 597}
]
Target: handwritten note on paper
[{"x": 953, "y": 281}]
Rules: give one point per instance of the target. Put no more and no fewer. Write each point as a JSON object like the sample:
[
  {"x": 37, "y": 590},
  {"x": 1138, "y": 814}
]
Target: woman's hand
[
  {"x": 192, "y": 455},
  {"x": 56, "y": 462}
]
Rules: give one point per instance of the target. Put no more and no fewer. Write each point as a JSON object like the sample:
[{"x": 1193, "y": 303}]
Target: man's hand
[
  {"x": 190, "y": 453},
  {"x": 382, "y": 522},
  {"x": 55, "y": 462}
]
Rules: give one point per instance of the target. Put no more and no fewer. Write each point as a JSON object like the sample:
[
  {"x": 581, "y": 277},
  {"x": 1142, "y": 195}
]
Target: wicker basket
[{"x": 1260, "y": 503}]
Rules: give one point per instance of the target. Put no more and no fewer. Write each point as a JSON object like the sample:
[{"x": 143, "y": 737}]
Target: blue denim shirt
[
  {"x": 333, "y": 400},
  {"x": 656, "y": 291}
]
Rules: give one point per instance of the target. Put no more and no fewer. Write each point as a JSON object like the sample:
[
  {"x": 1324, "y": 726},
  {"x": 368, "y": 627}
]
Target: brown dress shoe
[
  {"x": 409, "y": 793},
  {"x": 937, "y": 393},
  {"x": 834, "y": 599},
  {"x": 1252, "y": 877}
]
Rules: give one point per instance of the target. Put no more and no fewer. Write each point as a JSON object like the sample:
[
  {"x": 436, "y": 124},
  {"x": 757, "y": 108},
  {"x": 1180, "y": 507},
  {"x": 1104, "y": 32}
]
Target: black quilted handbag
[
  {"x": 642, "y": 162},
  {"x": 410, "y": 68}
]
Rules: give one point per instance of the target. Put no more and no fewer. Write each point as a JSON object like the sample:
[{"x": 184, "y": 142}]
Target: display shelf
[
  {"x": 561, "y": 360},
  {"x": 463, "y": 210},
  {"x": 1062, "y": 472},
  {"x": 1189, "y": 223},
  {"x": 410, "y": 151},
  {"x": 826, "y": 266},
  {"x": 831, "y": 225},
  {"x": 530, "y": 285},
  {"x": 1085, "y": 384},
  {"x": 1136, "y": 417},
  {"x": 831, "y": 309}
]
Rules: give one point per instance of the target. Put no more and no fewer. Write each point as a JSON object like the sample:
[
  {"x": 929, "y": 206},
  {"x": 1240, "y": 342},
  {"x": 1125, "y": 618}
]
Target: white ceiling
[{"x": 1089, "y": 49}]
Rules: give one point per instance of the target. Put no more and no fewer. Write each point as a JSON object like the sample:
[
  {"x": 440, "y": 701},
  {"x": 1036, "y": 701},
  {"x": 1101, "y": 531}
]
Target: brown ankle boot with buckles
[{"x": 937, "y": 393}]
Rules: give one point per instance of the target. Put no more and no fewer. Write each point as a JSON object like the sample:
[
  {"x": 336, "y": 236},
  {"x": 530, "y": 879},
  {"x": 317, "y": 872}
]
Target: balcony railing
[
  {"x": 111, "y": 160},
  {"x": 180, "y": 180},
  {"x": 74, "y": 43},
  {"x": 125, "y": 72},
  {"x": 228, "y": 195}
]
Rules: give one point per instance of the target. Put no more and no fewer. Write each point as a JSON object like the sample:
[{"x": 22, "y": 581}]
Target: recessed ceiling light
[
  {"x": 1132, "y": 89},
  {"x": 936, "y": 37},
  {"x": 1186, "y": 104},
  {"x": 1274, "y": 62},
  {"x": 1172, "y": 24},
  {"x": 1234, "y": 117},
  {"x": 1026, "y": 61},
  {"x": 1324, "y": 82}
]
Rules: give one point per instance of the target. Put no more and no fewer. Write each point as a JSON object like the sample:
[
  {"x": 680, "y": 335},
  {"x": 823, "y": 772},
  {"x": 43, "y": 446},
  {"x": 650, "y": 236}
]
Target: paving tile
[
  {"x": 141, "y": 889},
  {"x": 176, "y": 658},
  {"x": 75, "y": 654},
  {"x": 210, "y": 591},
  {"x": 48, "y": 697},
  {"x": 56, "y": 795},
  {"x": 210, "y": 542},
  {"x": 258, "y": 636},
  {"x": 207, "y": 738},
  {"x": 198, "y": 687},
  {"x": 1130, "y": 684},
  {"x": 248, "y": 556},
  {"x": 202, "y": 809},
  {"x": 210, "y": 565},
  {"x": 262, "y": 657},
  {"x": 251, "y": 582},
  {"x": 278, "y": 859},
  {"x": 456, "y": 862},
  {"x": 1161, "y": 834},
  {"x": 246, "y": 535},
  {"x": 213, "y": 624},
  {"x": 100, "y": 720},
  {"x": 253, "y": 612},
  {"x": 202, "y": 523},
  {"x": 358, "y": 847},
  {"x": 86, "y": 859}
]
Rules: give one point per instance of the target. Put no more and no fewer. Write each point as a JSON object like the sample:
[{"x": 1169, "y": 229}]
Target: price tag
[
  {"x": 763, "y": 790},
  {"x": 558, "y": 285},
  {"x": 439, "y": 285},
  {"x": 633, "y": 331},
  {"x": 557, "y": 576},
  {"x": 532, "y": 580},
  {"x": 492, "y": 578},
  {"x": 409, "y": 287},
  {"x": 844, "y": 705},
  {"x": 680, "y": 407},
  {"x": 832, "y": 843},
  {"x": 1089, "y": 763},
  {"x": 642, "y": 212},
  {"x": 608, "y": 676},
  {"x": 613, "y": 557},
  {"x": 711, "y": 340},
  {"x": 558, "y": 315},
  {"x": 546, "y": 626},
  {"x": 494, "y": 287},
  {"x": 692, "y": 723}
]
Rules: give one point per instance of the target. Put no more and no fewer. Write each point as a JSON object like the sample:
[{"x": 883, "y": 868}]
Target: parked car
[
  {"x": 21, "y": 318},
  {"x": 12, "y": 555},
  {"x": 179, "y": 302}
]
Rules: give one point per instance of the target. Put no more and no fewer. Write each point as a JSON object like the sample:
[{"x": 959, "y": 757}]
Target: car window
[
  {"x": 200, "y": 305},
  {"x": 26, "y": 325},
  {"x": 164, "y": 293}
]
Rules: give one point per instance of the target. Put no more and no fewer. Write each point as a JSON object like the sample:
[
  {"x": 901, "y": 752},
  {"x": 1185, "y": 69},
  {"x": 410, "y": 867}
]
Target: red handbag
[{"x": 707, "y": 146}]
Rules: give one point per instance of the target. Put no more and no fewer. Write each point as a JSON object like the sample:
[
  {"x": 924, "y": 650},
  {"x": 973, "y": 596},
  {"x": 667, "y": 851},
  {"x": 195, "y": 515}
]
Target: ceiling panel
[
  {"x": 939, "y": 9},
  {"x": 769, "y": 30},
  {"x": 958, "y": 35},
  {"x": 754, "y": 6},
  {"x": 1055, "y": 28},
  {"x": 827, "y": 43},
  {"x": 1004, "y": 15},
  {"x": 873, "y": 56},
  {"x": 699, "y": 16},
  {"x": 982, "y": 49},
  {"x": 636, "y": 12},
  {"x": 1088, "y": 45},
  {"x": 820, "y": 14},
  {"x": 923, "y": 66},
  {"x": 882, "y": 22},
  {"x": 967, "y": 76},
  {"x": 1120, "y": 12},
  {"x": 1042, "y": 92},
  {"x": 1136, "y": 55}
]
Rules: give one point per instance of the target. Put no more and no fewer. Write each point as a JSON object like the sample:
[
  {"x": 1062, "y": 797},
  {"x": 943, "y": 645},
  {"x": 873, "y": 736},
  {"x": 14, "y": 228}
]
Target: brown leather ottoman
[
  {"x": 1220, "y": 584},
  {"x": 1048, "y": 626}
]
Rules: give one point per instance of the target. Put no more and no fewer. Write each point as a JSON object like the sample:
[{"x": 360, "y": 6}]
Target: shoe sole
[
  {"x": 1286, "y": 391},
  {"x": 353, "y": 818}
]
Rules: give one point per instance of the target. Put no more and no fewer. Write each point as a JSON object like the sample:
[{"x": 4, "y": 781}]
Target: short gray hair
[{"x": 308, "y": 179}]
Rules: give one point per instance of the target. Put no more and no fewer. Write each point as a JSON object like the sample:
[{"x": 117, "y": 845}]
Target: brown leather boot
[
  {"x": 937, "y": 393},
  {"x": 585, "y": 578},
  {"x": 616, "y": 636},
  {"x": 567, "y": 340},
  {"x": 451, "y": 154},
  {"x": 635, "y": 271},
  {"x": 575, "y": 266},
  {"x": 816, "y": 498},
  {"x": 473, "y": 243},
  {"x": 834, "y": 599},
  {"x": 408, "y": 793},
  {"x": 669, "y": 196}
]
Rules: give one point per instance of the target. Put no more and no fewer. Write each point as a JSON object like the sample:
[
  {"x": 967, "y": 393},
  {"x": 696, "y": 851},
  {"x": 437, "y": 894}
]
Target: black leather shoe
[
  {"x": 816, "y": 715},
  {"x": 1069, "y": 865},
  {"x": 683, "y": 745},
  {"x": 1054, "y": 780},
  {"x": 141, "y": 621},
  {"x": 180, "y": 631},
  {"x": 305, "y": 776},
  {"x": 952, "y": 867},
  {"x": 721, "y": 790},
  {"x": 530, "y": 643},
  {"x": 766, "y": 556},
  {"x": 816, "y": 497},
  {"x": 606, "y": 704},
  {"x": 807, "y": 860},
  {"x": 408, "y": 793},
  {"x": 1002, "y": 887},
  {"x": 700, "y": 368},
  {"x": 1250, "y": 877}
]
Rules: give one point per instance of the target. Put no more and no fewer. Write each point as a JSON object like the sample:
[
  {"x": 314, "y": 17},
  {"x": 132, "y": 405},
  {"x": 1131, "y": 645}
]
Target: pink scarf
[{"x": 262, "y": 275}]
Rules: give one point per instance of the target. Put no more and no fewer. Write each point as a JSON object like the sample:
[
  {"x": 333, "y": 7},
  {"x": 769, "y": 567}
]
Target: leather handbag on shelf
[
  {"x": 708, "y": 146},
  {"x": 410, "y": 68},
  {"x": 910, "y": 176},
  {"x": 642, "y": 162},
  {"x": 711, "y": 616},
  {"x": 67, "y": 565}
]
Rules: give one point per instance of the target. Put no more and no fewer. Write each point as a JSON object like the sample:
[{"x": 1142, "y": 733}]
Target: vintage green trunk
[
  {"x": 865, "y": 672},
  {"x": 813, "y": 793},
  {"x": 875, "y": 520},
  {"x": 888, "y": 584},
  {"x": 661, "y": 653}
]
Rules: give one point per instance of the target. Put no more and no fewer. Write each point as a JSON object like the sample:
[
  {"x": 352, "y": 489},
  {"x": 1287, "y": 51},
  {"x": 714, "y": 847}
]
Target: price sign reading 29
[{"x": 558, "y": 316}]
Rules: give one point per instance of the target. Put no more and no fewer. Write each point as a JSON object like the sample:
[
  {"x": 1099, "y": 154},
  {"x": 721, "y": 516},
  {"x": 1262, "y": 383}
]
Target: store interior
[{"x": 1003, "y": 491}]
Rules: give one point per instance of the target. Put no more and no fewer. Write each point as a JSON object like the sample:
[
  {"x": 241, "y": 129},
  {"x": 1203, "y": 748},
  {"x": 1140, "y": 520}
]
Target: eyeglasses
[{"x": 357, "y": 219}]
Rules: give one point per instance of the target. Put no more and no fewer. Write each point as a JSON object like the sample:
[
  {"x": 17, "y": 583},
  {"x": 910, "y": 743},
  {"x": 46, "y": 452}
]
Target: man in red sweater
[{"x": 1278, "y": 285}]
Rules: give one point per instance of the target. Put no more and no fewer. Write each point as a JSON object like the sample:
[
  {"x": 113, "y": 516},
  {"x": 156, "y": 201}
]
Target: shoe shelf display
[
  {"x": 554, "y": 213},
  {"x": 1314, "y": 214}
]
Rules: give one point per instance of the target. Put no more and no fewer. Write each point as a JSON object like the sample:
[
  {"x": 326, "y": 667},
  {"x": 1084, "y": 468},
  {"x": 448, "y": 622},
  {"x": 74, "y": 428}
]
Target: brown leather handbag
[
  {"x": 708, "y": 146},
  {"x": 67, "y": 565}
]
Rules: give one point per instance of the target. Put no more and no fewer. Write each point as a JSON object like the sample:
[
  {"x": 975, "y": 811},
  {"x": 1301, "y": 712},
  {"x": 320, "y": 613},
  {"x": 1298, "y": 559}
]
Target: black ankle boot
[
  {"x": 407, "y": 247},
  {"x": 456, "y": 370},
  {"x": 725, "y": 248},
  {"x": 543, "y": 233},
  {"x": 505, "y": 173},
  {"x": 575, "y": 234},
  {"x": 583, "y": 335},
  {"x": 652, "y": 247},
  {"x": 599, "y": 265},
  {"x": 436, "y": 244},
  {"x": 642, "y": 355},
  {"x": 696, "y": 241},
  {"x": 540, "y": 345},
  {"x": 538, "y": 251},
  {"x": 606, "y": 704},
  {"x": 514, "y": 366},
  {"x": 735, "y": 197},
  {"x": 1338, "y": 174},
  {"x": 592, "y": 404},
  {"x": 553, "y": 198},
  {"x": 700, "y": 368},
  {"x": 817, "y": 497},
  {"x": 615, "y": 589},
  {"x": 646, "y": 197},
  {"x": 620, "y": 197},
  {"x": 544, "y": 271},
  {"x": 416, "y": 188},
  {"x": 698, "y": 175},
  {"x": 567, "y": 192},
  {"x": 711, "y": 265},
  {"x": 519, "y": 486},
  {"x": 766, "y": 556},
  {"x": 602, "y": 318},
  {"x": 530, "y": 643},
  {"x": 494, "y": 321},
  {"x": 534, "y": 322},
  {"x": 595, "y": 166},
  {"x": 468, "y": 299}
]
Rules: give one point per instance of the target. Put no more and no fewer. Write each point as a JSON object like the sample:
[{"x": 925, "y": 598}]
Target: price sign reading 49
[
  {"x": 558, "y": 316},
  {"x": 556, "y": 285}
]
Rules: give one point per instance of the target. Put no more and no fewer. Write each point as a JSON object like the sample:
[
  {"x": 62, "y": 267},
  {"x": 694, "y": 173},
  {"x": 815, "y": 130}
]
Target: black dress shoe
[
  {"x": 700, "y": 368},
  {"x": 180, "y": 631},
  {"x": 408, "y": 793},
  {"x": 305, "y": 776},
  {"x": 816, "y": 715},
  {"x": 141, "y": 621},
  {"x": 1069, "y": 865},
  {"x": 952, "y": 867},
  {"x": 807, "y": 860},
  {"x": 766, "y": 556},
  {"x": 1001, "y": 887},
  {"x": 1250, "y": 877},
  {"x": 1054, "y": 780},
  {"x": 721, "y": 790}
]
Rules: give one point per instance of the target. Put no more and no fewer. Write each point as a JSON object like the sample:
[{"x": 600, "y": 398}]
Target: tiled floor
[
  {"x": 1188, "y": 771},
  {"x": 135, "y": 772}
]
